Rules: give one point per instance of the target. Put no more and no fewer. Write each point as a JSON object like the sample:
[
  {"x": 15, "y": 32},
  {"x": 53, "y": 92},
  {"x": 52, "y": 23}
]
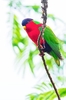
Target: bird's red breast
[{"x": 33, "y": 31}]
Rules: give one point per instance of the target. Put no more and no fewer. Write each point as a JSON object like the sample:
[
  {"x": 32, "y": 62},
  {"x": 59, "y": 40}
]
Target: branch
[{"x": 44, "y": 17}]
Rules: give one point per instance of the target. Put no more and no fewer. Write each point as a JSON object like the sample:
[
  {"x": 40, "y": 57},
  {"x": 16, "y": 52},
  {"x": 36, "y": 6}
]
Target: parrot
[{"x": 49, "y": 43}]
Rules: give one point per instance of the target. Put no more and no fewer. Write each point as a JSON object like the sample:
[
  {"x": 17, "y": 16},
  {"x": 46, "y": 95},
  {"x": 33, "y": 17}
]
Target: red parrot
[{"x": 49, "y": 42}]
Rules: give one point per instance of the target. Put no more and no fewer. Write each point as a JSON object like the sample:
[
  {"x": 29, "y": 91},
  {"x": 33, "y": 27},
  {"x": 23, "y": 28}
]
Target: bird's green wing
[
  {"x": 36, "y": 22},
  {"x": 52, "y": 40}
]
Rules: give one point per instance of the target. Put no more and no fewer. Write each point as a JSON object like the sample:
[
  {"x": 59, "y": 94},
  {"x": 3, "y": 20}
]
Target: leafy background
[{"x": 26, "y": 55}]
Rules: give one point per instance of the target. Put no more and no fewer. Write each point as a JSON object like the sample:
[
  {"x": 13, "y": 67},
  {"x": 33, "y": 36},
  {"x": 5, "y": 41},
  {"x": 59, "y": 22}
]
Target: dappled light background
[{"x": 21, "y": 68}]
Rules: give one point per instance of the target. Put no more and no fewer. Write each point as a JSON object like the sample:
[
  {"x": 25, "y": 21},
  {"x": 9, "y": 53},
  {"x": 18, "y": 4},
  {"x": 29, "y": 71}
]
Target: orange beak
[{"x": 24, "y": 27}]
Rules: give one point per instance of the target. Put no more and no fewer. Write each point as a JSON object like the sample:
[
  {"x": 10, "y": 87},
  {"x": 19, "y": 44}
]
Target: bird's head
[{"x": 25, "y": 22}]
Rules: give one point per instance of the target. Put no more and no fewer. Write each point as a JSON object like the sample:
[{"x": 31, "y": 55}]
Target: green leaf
[
  {"x": 30, "y": 61},
  {"x": 51, "y": 16},
  {"x": 10, "y": 3},
  {"x": 36, "y": 8},
  {"x": 50, "y": 95}
]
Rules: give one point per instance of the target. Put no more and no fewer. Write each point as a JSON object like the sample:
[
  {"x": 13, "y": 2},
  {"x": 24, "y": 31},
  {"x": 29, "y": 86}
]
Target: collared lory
[{"x": 49, "y": 42}]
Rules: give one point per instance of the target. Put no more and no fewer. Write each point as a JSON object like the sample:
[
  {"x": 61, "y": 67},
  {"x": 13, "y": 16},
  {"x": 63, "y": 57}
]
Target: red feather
[{"x": 33, "y": 32}]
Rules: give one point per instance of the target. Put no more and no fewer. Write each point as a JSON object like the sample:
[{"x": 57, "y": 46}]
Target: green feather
[
  {"x": 36, "y": 22},
  {"x": 55, "y": 58},
  {"x": 52, "y": 40}
]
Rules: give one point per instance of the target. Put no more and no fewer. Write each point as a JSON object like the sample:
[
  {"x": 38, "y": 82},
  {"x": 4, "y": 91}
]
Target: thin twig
[
  {"x": 44, "y": 16},
  {"x": 55, "y": 89}
]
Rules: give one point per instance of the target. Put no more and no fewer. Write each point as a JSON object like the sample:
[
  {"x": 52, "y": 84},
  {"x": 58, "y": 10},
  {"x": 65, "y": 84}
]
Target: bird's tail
[{"x": 57, "y": 60}]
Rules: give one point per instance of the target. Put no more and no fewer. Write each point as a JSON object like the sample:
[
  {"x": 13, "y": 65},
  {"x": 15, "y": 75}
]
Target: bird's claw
[
  {"x": 42, "y": 50},
  {"x": 41, "y": 54},
  {"x": 42, "y": 47}
]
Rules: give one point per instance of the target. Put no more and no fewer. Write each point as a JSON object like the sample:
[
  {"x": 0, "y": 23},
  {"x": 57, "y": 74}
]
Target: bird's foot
[
  {"x": 42, "y": 47},
  {"x": 41, "y": 54},
  {"x": 42, "y": 50}
]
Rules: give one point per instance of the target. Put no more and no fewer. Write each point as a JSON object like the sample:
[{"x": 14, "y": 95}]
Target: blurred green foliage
[
  {"x": 50, "y": 95},
  {"x": 17, "y": 37},
  {"x": 26, "y": 51},
  {"x": 34, "y": 7}
]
